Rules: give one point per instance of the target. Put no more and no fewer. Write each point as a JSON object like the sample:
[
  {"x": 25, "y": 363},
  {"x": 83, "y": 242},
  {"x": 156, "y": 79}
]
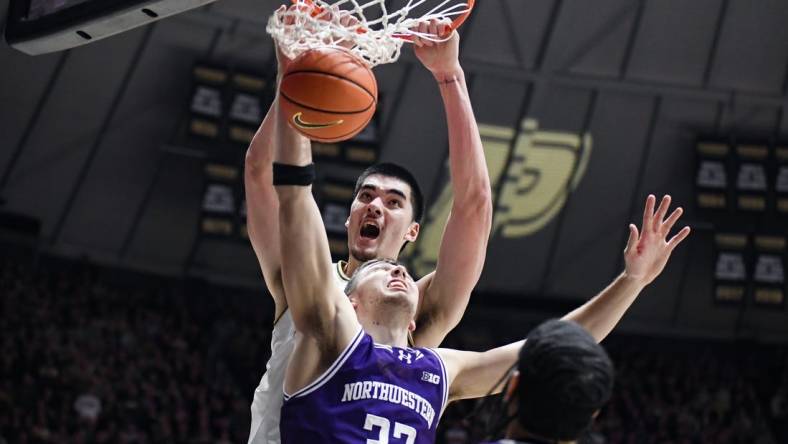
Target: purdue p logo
[{"x": 545, "y": 167}]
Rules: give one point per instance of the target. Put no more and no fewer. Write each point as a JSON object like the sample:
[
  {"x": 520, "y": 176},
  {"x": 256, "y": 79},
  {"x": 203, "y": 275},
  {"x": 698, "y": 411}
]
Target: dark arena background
[{"x": 133, "y": 307}]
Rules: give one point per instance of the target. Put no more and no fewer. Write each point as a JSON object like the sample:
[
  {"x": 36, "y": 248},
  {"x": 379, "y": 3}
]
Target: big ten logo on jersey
[
  {"x": 538, "y": 168},
  {"x": 432, "y": 378}
]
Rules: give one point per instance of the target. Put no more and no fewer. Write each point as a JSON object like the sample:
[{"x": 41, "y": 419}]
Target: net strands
[{"x": 372, "y": 30}]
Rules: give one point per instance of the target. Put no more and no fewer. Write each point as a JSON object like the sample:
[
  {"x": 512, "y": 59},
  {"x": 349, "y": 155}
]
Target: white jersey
[{"x": 268, "y": 396}]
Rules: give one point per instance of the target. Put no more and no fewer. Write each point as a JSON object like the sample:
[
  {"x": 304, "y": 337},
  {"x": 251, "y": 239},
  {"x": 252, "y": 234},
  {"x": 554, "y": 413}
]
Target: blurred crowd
[
  {"x": 669, "y": 391},
  {"x": 692, "y": 392},
  {"x": 88, "y": 356},
  {"x": 84, "y": 361}
]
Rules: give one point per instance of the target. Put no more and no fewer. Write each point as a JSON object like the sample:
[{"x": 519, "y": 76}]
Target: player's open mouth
[{"x": 370, "y": 231}]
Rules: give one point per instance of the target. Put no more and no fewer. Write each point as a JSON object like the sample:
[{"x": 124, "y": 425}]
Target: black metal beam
[
  {"x": 715, "y": 42},
  {"x": 547, "y": 36},
  {"x": 718, "y": 117},
  {"x": 114, "y": 106},
  {"x": 508, "y": 19},
  {"x": 631, "y": 40},
  {"x": 604, "y": 30},
  {"x": 140, "y": 211},
  {"x": 31, "y": 123},
  {"x": 554, "y": 242}
]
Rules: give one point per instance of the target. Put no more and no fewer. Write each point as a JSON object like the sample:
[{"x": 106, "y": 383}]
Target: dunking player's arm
[
  {"x": 322, "y": 314},
  {"x": 261, "y": 200},
  {"x": 446, "y": 291},
  {"x": 646, "y": 255}
]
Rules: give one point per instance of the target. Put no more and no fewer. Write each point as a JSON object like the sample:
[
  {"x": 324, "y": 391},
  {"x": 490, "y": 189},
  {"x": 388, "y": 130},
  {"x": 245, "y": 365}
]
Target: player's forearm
[
  {"x": 305, "y": 257},
  {"x": 292, "y": 148},
  {"x": 263, "y": 225},
  {"x": 500, "y": 360},
  {"x": 260, "y": 153},
  {"x": 273, "y": 141},
  {"x": 483, "y": 373},
  {"x": 306, "y": 260},
  {"x": 601, "y": 314},
  {"x": 464, "y": 242},
  {"x": 257, "y": 165},
  {"x": 262, "y": 203},
  {"x": 470, "y": 178}
]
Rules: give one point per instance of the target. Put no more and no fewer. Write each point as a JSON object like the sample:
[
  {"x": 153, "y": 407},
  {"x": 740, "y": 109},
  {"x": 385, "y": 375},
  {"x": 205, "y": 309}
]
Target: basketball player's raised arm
[
  {"x": 646, "y": 254},
  {"x": 261, "y": 200},
  {"x": 472, "y": 374},
  {"x": 315, "y": 303},
  {"x": 445, "y": 293},
  {"x": 262, "y": 206}
]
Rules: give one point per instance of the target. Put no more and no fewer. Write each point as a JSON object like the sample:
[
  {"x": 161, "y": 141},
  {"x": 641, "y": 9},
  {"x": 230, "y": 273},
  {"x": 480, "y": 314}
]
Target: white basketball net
[{"x": 365, "y": 27}]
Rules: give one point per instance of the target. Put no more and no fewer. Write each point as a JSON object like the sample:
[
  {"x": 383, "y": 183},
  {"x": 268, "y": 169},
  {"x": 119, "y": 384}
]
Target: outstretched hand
[
  {"x": 440, "y": 58},
  {"x": 648, "y": 250}
]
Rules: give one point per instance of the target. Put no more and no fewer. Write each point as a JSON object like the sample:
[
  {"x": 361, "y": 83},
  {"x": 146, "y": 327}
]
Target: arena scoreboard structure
[
  {"x": 225, "y": 107},
  {"x": 43, "y": 26},
  {"x": 742, "y": 189}
]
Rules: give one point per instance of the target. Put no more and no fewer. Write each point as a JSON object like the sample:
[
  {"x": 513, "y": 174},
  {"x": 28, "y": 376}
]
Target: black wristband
[{"x": 285, "y": 174}]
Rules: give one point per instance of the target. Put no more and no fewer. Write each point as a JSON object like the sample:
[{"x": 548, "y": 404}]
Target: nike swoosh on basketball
[{"x": 306, "y": 125}]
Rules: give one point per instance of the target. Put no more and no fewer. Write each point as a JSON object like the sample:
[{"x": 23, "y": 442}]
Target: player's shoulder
[
  {"x": 424, "y": 282},
  {"x": 454, "y": 360},
  {"x": 450, "y": 354}
]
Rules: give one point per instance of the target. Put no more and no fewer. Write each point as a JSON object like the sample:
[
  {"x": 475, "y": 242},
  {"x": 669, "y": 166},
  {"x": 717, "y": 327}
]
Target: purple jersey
[{"x": 371, "y": 392}]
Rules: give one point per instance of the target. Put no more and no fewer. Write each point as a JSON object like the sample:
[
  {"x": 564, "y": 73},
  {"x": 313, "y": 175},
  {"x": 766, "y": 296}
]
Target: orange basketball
[{"x": 328, "y": 94}]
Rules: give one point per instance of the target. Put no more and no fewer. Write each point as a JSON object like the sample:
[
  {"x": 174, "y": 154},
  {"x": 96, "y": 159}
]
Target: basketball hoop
[{"x": 373, "y": 30}]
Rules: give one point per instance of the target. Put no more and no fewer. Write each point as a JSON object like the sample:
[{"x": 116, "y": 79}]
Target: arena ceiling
[{"x": 86, "y": 137}]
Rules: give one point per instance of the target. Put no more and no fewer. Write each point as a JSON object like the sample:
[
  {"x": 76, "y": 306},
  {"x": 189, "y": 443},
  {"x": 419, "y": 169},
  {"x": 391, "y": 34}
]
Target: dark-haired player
[{"x": 563, "y": 379}]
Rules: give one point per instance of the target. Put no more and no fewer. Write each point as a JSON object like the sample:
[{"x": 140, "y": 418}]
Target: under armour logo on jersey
[
  {"x": 404, "y": 356},
  {"x": 431, "y": 378}
]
